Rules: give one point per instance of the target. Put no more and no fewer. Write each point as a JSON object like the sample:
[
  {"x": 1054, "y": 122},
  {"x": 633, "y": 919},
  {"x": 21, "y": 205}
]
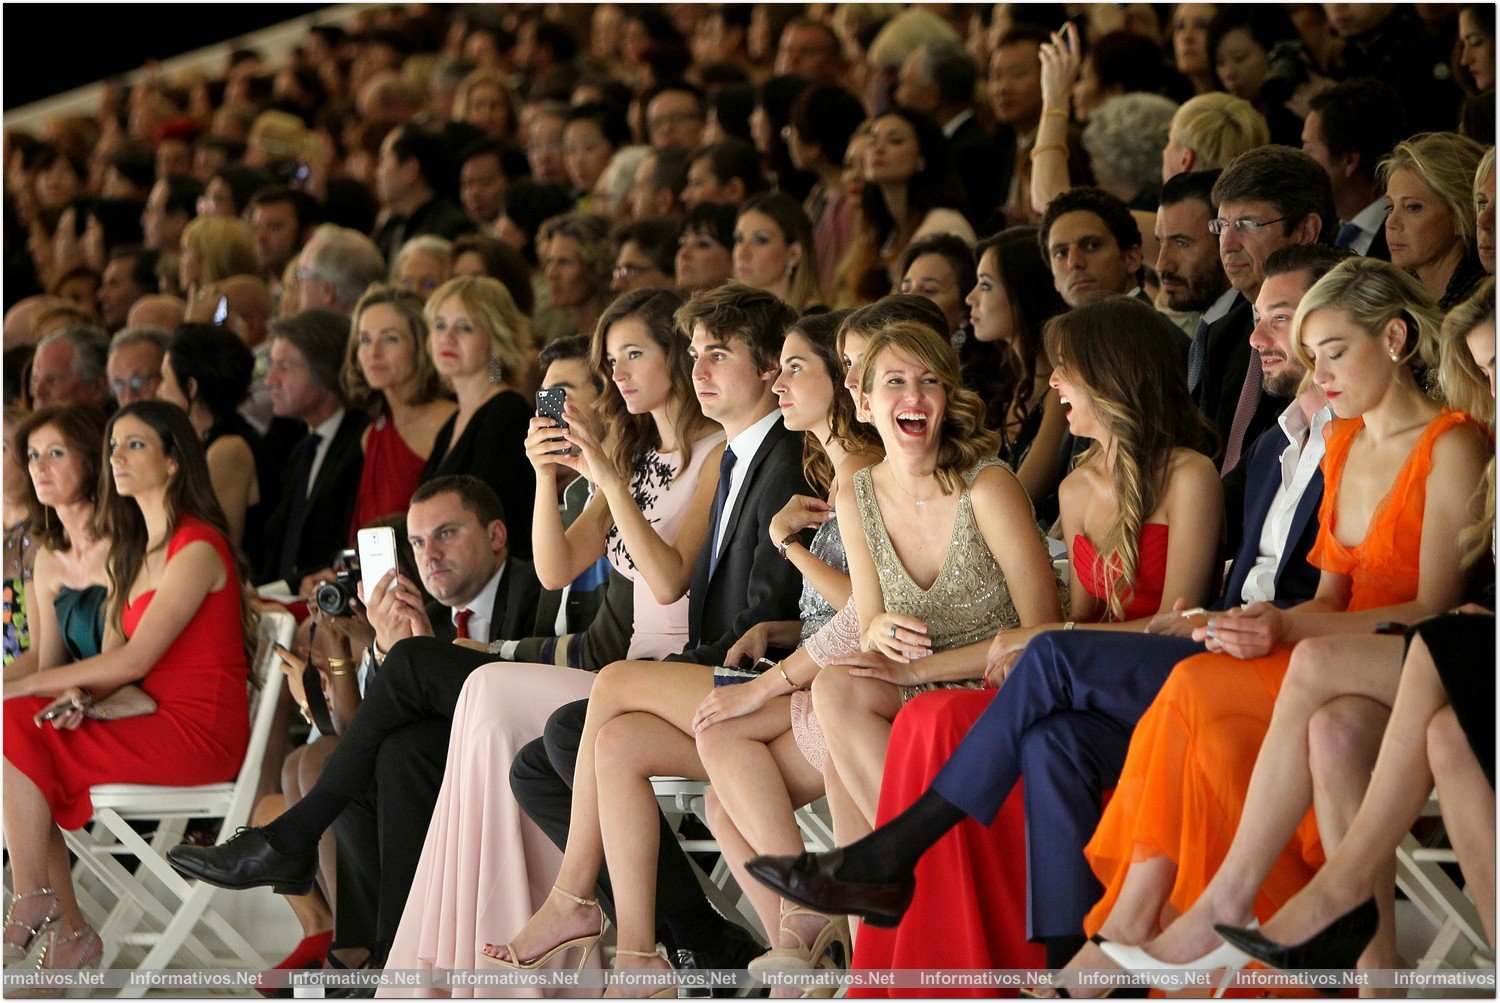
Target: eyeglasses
[
  {"x": 1244, "y": 227},
  {"x": 135, "y": 384}
]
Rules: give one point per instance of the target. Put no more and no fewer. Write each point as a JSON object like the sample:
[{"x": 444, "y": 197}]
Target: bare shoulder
[
  {"x": 1191, "y": 471},
  {"x": 230, "y": 450},
  {"x": 855, "y": 462},
  {"x": 996, "y": 485},
  {"x": 1460, "y": 451}
]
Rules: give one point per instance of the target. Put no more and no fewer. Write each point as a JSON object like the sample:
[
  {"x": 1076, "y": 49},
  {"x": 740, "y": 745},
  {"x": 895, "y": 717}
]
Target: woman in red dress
[
  {"x": 389, "y": 372},
  {"x": 178, "y": 617}
]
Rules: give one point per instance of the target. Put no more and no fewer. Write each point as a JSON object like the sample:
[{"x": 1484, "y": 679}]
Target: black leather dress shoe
[
  {"x": 1338, "y": 945},
  {"x": 247, "y": 860},
  {"x": 733, "y": 949},
  {"x": 810, "y": 879}
]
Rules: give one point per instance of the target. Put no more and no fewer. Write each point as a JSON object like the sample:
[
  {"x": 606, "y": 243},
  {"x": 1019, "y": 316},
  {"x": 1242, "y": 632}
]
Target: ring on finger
[
  {"x": 1209, "y": 633},
  {"x": 893, "y": 631}
]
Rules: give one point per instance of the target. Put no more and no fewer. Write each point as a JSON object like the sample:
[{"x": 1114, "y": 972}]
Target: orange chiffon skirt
[{"x": 1182, "y": 791}]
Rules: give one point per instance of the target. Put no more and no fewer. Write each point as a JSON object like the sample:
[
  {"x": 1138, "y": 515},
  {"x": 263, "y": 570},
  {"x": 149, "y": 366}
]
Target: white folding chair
[
  {"x": 1420, "y": 874},
  {"x": 679, "y": 797},
  {"x": 164, "y": 916}
]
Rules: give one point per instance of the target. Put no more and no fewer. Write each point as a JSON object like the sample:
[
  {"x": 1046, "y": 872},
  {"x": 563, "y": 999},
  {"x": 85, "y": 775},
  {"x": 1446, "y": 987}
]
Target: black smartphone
[{"x": 549, "y": 404}]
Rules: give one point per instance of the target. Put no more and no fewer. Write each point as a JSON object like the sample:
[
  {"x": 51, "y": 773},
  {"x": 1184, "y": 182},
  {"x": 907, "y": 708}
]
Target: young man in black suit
[{"x": 740, "y": 580}]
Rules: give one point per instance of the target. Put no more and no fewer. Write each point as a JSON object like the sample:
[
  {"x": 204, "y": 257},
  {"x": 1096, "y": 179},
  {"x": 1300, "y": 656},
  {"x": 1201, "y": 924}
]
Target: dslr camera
[{"x": 335, "y": 597}]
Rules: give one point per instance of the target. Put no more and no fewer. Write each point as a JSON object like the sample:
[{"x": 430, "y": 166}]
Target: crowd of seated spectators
[{"x": 845, "y": 401}]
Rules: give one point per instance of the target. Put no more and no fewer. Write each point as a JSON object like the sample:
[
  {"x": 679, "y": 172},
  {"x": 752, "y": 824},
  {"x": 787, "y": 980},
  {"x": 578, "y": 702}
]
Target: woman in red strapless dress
[{"x": 178, "y": 631}]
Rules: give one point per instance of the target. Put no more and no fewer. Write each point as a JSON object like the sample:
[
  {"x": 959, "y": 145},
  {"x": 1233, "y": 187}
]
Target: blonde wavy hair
[
  {"x": 1447, "y": 163},
  {"x": 1218, "y": 127},
  {"x": 1373, "y": 293},
  {"x": 1468, "y": 389},
  {"x": 1129, "y": 363},
  {"x": 490, "y": 308},
  {"x": 225, "y": 247},
  {"x": 964, "y": 440}
]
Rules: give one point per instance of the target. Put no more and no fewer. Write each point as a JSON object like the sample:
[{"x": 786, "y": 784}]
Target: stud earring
[{"x": 1394, "y": 356}]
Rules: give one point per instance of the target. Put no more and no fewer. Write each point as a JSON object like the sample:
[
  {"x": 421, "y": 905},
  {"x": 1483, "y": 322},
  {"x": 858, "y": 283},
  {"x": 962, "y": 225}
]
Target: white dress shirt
[{"x": 1299, "y": 461}]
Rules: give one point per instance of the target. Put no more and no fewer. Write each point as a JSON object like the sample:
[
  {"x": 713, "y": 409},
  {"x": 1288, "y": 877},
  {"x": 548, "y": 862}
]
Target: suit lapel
[
  {"x": 773, "y": 436},
  {"x": 1261, "y": 482},
  {"x": 1307, "y": 511},
  {"x": 332, "y": 459}
]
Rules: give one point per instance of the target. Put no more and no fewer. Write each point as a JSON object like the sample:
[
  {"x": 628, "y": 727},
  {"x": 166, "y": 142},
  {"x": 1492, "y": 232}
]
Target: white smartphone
[{"x": 377, "y": 555}]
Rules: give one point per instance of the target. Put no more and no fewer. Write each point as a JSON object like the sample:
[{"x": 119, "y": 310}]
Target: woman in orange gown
[{"x": 1400, "y": 471}]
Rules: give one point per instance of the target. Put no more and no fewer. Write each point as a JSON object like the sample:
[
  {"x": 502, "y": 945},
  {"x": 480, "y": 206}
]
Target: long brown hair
[
  {"x": 82, "y": 428},
  {"x": 1467, "y": 389},
  {"x": 820, "y": 331},
  {"x": 189, "y": 493},
  {"x": 1125, "y": 356},
  {"x": 628, "y": 436}
]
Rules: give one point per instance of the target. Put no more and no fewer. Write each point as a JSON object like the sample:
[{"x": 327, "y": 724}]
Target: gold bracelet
[
  {"x": 338, "y": 664},
  {"x": 782, "y": 669},
  {"x": 1037, "y": 151},
  {"x": 1059, "y": 112}
]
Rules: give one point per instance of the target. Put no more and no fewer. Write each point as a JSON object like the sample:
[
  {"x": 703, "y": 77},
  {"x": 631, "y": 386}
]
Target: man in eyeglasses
[
  {"x": 1267, "y": 199},
  {"x": 134, "y": 364}
]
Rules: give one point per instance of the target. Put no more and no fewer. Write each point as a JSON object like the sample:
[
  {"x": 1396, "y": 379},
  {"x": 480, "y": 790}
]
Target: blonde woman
[
  {"x": 214, "y": 248},
  {"x": 1429, "y": 185},
  {"x": 389, "y": 372},
  {"x": 1484, "y": 211},
  {"x": 480, "y": 344},
  {"x": 485, "y": 102}
]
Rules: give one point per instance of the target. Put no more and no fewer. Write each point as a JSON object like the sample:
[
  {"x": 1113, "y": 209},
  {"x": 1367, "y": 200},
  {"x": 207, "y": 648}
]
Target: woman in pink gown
[{"x": 485, "y": 866}]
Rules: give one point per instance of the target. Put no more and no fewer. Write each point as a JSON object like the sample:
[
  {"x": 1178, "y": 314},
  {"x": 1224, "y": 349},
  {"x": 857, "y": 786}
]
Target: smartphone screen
[{"x": 377, "y": 555}]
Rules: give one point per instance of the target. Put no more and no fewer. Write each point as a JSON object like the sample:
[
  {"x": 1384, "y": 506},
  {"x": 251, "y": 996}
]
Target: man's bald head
[
  {"x": 18, "y": 319},
  {"x": 157, "y": 310}
]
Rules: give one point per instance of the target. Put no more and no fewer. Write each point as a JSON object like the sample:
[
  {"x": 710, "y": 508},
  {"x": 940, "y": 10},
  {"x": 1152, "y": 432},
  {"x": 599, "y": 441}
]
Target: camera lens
[{"x": 333, "y": 597}]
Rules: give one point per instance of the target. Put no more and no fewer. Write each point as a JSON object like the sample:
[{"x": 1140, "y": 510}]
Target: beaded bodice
[
  {"x": 828, "y": 546},
  {"x": 969, "y": 600}
]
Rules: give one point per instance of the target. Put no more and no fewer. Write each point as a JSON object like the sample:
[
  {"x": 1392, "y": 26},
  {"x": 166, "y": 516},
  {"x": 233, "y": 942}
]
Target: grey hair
[
  {"x": 90, "y": 350},
  {"x": 138, "y": 333},
  {"x": 432, "y": 244},
  {"x": 950, "y": 68},
  {"x": 1125, "y": 137},
  {"x": 346, "y": 259}
]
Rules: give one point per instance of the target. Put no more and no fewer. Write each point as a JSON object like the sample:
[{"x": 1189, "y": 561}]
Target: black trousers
[
  {"x": 382, "y": 782},
  {"x": 542, "y": 779}
]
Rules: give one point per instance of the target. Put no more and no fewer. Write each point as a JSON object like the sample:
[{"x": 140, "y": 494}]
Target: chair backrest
[{"x": 276, "y": 627}]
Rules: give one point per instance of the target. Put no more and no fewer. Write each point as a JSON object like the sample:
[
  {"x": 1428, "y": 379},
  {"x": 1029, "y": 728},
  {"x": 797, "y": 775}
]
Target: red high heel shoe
[{"x": 310, "y": 952}]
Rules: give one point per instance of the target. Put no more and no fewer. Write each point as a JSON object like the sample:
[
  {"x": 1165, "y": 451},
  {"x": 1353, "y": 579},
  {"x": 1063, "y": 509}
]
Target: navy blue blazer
[{"x": 1296, "y": 579}]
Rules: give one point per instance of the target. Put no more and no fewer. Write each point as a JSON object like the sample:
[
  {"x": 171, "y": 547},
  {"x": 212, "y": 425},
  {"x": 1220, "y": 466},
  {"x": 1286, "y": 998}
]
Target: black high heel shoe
[{"x": 1337, "y": 945}]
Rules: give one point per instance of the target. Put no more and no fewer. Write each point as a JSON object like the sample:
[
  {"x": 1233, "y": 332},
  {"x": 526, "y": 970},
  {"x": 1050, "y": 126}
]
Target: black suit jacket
[
  {"x": 1296, "y": 579},
  {"x": 976, "y": 156},
  {"x": 752, "y": 583},
  {"x": 330, "y": 504},
  {"x": 512, "y": 614}
]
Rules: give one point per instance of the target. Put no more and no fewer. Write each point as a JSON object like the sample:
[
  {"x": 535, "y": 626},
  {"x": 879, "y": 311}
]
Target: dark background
[{"x": 53, "y": 48}]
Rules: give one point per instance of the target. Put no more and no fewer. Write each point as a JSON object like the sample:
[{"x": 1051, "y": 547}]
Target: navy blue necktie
[
  {"x": 1347, "y": 235},
  {"x": 721, "y": 498}
]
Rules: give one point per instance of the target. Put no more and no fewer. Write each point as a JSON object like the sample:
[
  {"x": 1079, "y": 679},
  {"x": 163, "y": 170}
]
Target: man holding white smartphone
[{"x": 394, "y": 750}]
